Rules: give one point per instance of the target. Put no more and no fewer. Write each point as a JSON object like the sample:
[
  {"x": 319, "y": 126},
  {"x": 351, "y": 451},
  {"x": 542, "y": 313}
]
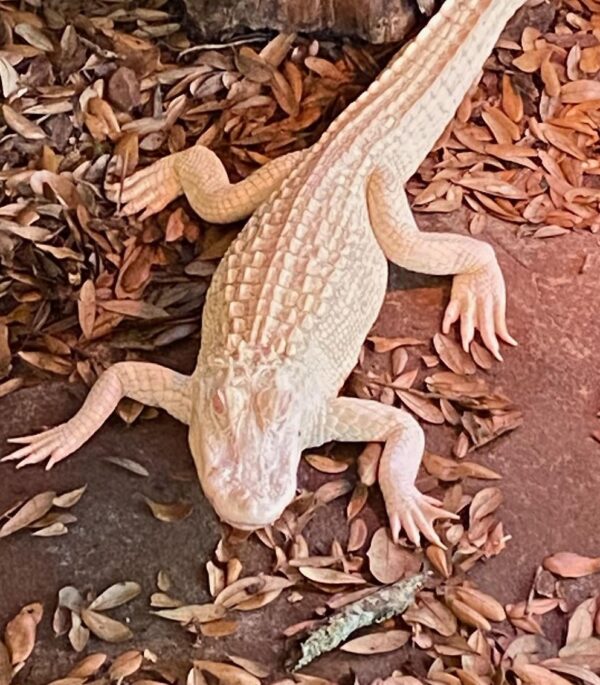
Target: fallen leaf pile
[
  {"x": 523, "y": 145},
  {"x": 86, "y": 101},
  {"x": 77, "y": 616}
]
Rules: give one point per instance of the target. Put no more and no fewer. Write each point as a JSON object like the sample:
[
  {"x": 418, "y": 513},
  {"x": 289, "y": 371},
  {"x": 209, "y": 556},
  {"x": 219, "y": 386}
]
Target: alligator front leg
[
  {"x": 355, "y": 420},
  {"x": 147, "y": 383},
  {"x": 478, "y": 293},
  {"x": 200, "y": 175}
]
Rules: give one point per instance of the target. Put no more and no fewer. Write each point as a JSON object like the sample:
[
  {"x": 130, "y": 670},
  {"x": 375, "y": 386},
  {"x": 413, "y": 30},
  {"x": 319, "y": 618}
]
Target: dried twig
[{"x": 385, "y": 603}]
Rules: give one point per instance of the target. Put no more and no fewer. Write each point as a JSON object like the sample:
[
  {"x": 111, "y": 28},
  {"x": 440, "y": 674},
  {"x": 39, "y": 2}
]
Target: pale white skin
[{"x": 298, "y": 291}]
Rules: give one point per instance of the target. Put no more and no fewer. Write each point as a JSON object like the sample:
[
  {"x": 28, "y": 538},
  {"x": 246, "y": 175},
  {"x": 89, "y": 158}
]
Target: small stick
[{"x": 382, "y": 604}]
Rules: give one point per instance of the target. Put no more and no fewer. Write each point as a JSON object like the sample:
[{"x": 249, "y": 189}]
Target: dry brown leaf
[
  {"x": 581, "y": 623},
  {"x": 571, "y": 565},
  {"x": 358, "y": 500},
  {"x": 512, "y": 102},
  {"x": 420, "y": 405},
  {"x": 193, "y": 613},
  {"x": 20, "y": 632},
  {"x": 580, "y": 91},
  {"x": 219, "y": 628},
  {"x": 105, "y": 628},
  {"x": 226, "y": 673},
  {"x": 453, "y": 356},
  {"x": 31, "y": 511},
  {"x": 125, "y": 664},
  {"x": 116, "y": 595},
  {"x": 129, "y": 465},
  {"x": 332, "y": 490},
  {"x": 383, "y": 345},
  {"x": 169, "y": 513},
  {"x": 247, "y": 588},
  {"x": 389, "y": 562},
  {"x": 377, "y": 643},
  {"x": 532, "y": 674},
  {"x": 47, "y": 362},
  {"x": 78, "y": 634},
  {"x": 467, "y": 615},
  {"x": 53, "y": 530},
  {"x": 326, "y": 464},
  {"x": 328, "y": 576},
  {"x": 584, "y": 652},
  {"x": 485, "y": 502},
  {"x": 86, "y": 308},
  {"x": 69, "y": 499},
  {"x": 88, "y": 666},
  {"x": 485, "y": 604},
  {"x": 432, "y": 613},
  {"x": 250, "y": 665},
  {"x": 21, "y": 124},
  {"x": 357, "y": 536}
]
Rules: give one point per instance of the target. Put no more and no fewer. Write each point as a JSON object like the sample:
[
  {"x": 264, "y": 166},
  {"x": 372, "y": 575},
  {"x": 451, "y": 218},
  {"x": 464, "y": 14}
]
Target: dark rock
[{"x": 378, "y": 21}]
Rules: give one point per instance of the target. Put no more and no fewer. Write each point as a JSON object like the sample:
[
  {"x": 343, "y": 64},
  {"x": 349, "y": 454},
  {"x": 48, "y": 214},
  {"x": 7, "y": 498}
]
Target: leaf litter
[{"x": 521, "y": 149}]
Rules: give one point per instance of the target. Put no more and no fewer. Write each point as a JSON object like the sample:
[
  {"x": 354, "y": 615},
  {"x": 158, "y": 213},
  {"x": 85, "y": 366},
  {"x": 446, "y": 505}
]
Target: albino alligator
[{"x": 293, "y": 299}]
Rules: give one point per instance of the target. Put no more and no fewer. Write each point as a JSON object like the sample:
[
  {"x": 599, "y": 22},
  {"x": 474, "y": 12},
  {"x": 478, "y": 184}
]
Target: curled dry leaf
[
  {"x": 105, "y": 628},
  {"x": 584, "y": 652},
  {"x": 78, "y": 634},
  {"x": 115, "y": 596},
  {"x": 432, "y": 613},
  {"x": 326, "y": 464},
  {"x": 193, "y": 613},
  {"x": 88, "y": 666},
  {"x": 20, "y": 632},
  {"x": 169, "y": 513},
  {"x": 359, "y": 498},
  {"x": 532, "y": 674},
  {"x": 377, "y": 643},
  {"x": 452, "y": 354},
  {"x": 581, "y": 623},
  {"x": 21, "y": 124},
  {"x": 129, "y": 465},
  {"x": 53, "y": 530},
  {"x": 329, "y": 576},
  {"x": 485, "y": 604},
  {"x": 357, "y": 536},
  {"x": 220, "y": 628},
  {"x": 467, "y": 614},
  {"x": 251, "y": 666},
  {"x": 31, "y": 511},
  {"x": 69, "y": 499},
  {"x": 571, "y": 565},
  {"x": 245, "y": 589},
  {"x": 485, "y": 502},
  {"x": 389, "y": 562},
  {"x": 125, "y": 664},
  {"x": 232, "y": 675}
]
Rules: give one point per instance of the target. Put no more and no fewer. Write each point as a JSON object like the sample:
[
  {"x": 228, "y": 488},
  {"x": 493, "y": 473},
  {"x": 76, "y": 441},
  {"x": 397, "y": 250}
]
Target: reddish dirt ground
[{"x": 550, "y": 466}]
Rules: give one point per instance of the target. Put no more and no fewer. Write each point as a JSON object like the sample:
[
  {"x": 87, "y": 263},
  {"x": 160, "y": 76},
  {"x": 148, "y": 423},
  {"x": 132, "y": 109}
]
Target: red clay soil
[{"x": 551, "y": 469}]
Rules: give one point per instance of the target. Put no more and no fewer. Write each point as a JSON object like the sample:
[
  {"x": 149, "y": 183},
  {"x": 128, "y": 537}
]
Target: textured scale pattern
[{"x": 296, "y": 294}]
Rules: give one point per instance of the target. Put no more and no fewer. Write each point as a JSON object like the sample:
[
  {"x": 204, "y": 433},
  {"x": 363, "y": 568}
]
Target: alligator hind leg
[
  {"x": 355, "y": 420},
  {"x": 478, "y": 293},
  {"x": 147, "y": 383},
  {"x": 199, "y": 174}
]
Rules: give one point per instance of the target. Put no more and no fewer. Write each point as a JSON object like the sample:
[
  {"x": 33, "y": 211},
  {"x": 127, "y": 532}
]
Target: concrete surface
[{"x": 551, "y": 467}]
